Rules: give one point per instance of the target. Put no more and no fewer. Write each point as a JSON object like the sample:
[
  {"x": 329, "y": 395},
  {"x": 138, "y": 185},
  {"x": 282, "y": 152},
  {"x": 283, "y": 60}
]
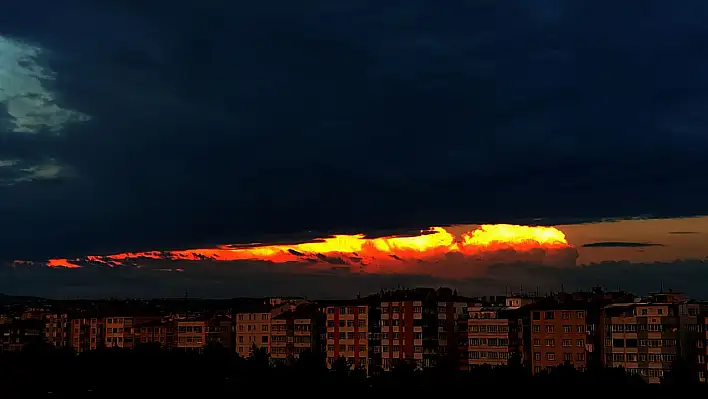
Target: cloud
[
  {"x": 30, "y": 106},
  {"x": 163, "y": 278},
  {"x": 223, "y": 122},
  {"x": 620, "y": 244}
]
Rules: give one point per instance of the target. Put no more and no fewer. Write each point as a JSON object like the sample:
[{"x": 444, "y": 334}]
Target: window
[
  {"x": 567, "y": 328},
  {"x": 536, "y": 328},
  {"x": 550, "y": 328},
  {"x": 581, "y": 343},
  {"x": 580, "y": 315},
  {"x": 537, "y": 315},
  {"x": 536, "y": 342},
  {"x": 537, "y": 356},
  {"x": 550, "y": 342},
  {"x": 567, "y": 357},
  {"x": 549, "y": 315},
  {"x": 567, "y": 343},
  {"x": 550, "y": 356}
]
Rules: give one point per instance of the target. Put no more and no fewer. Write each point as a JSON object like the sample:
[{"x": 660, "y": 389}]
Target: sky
[{"x": 129, "y": 126}]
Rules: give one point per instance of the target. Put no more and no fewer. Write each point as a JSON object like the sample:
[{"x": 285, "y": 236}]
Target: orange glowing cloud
[{"x": 372, "y": 254}]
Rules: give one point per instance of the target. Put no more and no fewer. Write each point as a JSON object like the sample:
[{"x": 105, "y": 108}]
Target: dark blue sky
[{"x": 175, "y": 125}]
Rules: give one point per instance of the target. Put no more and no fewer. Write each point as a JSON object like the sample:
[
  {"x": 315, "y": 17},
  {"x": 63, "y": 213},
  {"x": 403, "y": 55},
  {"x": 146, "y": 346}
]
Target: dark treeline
[{"x": 150, "y": 370}]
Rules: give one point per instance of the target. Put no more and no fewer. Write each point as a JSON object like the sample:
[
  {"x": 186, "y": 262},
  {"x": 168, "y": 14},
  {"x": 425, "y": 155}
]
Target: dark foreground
[{"x": 152, "y": 372}]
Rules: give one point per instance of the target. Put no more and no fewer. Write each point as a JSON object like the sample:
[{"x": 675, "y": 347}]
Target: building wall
[
  {"x": 643, "y": 340},
  {"x": 347, "y": 334},
  {"x": 401, "y": 338},
  {"x": 56, "y": 330},
  {"x": 488, "y": 338},
  {"x": 557, "y": 337},
  {"x": 156, "y": 334},
  {"x": 119, "y": 332},
  {"x": 190, "y": 334},
  {"x": 305, "y": 336},
  {"x": 252, "y": 329},
  {"x": 86, "y": 334},
  {"x": 279, "y": 348}
]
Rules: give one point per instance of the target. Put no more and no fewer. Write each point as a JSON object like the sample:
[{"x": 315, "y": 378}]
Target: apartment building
[
  {"x": 490, "y": 335},
  {"x": 56, "y": 329},
  {"x": 154, "y": 332},
  {"x": 119, "y": 331},
  {"x": 295, "y": 331},
  {"x": 86, "y": 334},
  {"x": 555, "y": 332},
  {"x": 220, "y": 330},
  {"x": 419, "y": 326},
  {"x": 190, "y": 334},
  {"x": 253, "y": 329},
  {"x": 20, "y": 332},
  {"x": 646, "y": 337},
  {"x": 348, "y": 331},
  {"x": 702, "y": 346}
]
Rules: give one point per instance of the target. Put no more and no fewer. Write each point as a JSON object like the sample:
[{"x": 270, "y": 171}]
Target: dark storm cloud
[
  {"x": 619, "y": 244},
  {"x": 229, "y": 121},
  {"x": 210, "y": 279}
]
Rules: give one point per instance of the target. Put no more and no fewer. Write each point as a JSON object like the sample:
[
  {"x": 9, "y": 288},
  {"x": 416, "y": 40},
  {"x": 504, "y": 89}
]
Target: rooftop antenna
[{"x": 661, "y": 290}]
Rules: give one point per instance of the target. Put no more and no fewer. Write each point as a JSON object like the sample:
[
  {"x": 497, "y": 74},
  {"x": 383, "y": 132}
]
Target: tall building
[
  {"x": 253, "y": 330},
  {"x": 86, "y": 334},
  {"x": 555, "y": 332},
  {"x": 648, "y": 336},
  {"x": 253, "y": 325},
  {"x": 56, "y": 329},
  {"x": 420, "y": 326},
  {"x": 119, "y": 331},
  {"x": 295, "y": 331},
  {"x": 349, "y": 329},
  {"x": 489, "y": 335}
]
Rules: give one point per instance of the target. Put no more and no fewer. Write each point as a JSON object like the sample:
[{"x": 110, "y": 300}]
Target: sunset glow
[{"x": 353, "y": 249}]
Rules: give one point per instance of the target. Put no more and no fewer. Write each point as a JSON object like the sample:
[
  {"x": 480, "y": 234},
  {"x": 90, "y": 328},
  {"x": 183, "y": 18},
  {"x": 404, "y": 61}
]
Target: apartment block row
[
  {"x": 91, "y": 333},
  {"x": 645, "y": 336}
]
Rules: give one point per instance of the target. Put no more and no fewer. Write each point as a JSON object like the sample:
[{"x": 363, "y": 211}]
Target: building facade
[
  {"x": 86, "y": 334},
  {"x": 190, "y": 334},
  {"x": 56, "y": 329},
  {"x": 555, "y": 332},
  {"x": 348, "y": 332}
]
